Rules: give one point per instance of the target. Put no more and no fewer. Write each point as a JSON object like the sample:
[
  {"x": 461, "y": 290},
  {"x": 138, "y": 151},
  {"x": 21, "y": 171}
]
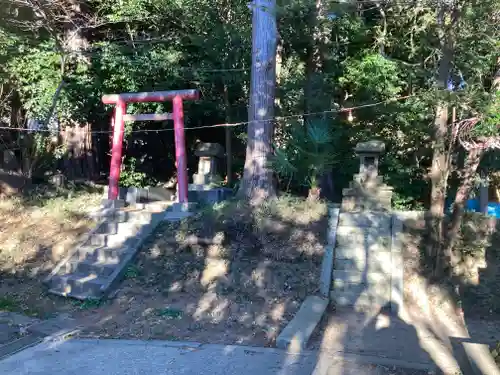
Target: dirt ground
[
  {"x": 241, "y": 285},
  {"x": 241, "y": 279},
  {"x": 35, "y": 233},
  {"x": 244, "y": 290},
  {"x": 473, "y": 286},
  {"x": 472, "y": 295}
]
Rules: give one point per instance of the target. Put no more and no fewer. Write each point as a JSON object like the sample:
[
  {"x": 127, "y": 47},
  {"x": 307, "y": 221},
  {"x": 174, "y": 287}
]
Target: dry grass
[
  {"x": 43, "y": 229},
  {"x": 286, "y": 228},
  {"x": 35, "y": 233},
  {"x": 242, "y": 289}
]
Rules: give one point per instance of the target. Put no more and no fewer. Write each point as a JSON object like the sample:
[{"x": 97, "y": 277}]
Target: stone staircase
[
  {"x": 96, "y": 265},
  {"x": 367, "y": 264},
  {"x": 363, "y": 264}
]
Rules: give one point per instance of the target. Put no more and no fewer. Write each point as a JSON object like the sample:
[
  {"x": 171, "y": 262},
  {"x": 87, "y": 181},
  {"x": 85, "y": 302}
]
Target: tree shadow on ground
[
  {"x": 472, "y": 284},
  {"x": 480, "y": 278},
  {"x": 35, "y": 233},
  {"x": 227, "y": 275},
  {"x": 459, "y": 306},
  {"x": 242, "y": 289},
  {"x": 365, "y": 331}
]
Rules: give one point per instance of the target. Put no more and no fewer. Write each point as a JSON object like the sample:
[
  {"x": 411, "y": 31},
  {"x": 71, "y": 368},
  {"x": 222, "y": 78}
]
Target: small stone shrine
[
  {"x": 207, "y": 165},
  {"x": 367, "y": 266}
]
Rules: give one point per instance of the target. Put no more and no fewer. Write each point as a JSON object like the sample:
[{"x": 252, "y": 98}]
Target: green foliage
[
  {"x": 372, "y": 76},
  {"x": 474, "y": 238},
  {"x": 130, "y": 177},
  {"x": 88, "y": 304},
  {"x": 170, "y": 313},
  {"x": 495, "y": 352},
  {"x": 307, "y": 153},
  {"x": 132, "y": 272},
  {"x": 405, "y": 202},
  {"x": 365, "y": 56},
  {"x": 39, "y": 64},
  {"x": 15, "y": 304},
  {"x": 488, "y": 125},
  {"x": 8, "y": 303}
]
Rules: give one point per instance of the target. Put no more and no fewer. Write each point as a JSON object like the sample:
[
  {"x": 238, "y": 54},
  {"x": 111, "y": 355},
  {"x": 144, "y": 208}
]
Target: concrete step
[
  {"x": 368, "y": 219},
  {"x": 113, "y": 227},
  {"x": 373, "y": 290},
  {"x": 113, "y": 240},
  {"x": 140, "y": 217},
  {"x": 90, "y": 267},
  {"x": 136, "y": 215},
  {"x": 363, "y": 235},
  {"x": 154, "y": 206},
  {"x": 360, "y": 298},
  {"x": 341, "y": 277},
  {"x": 77, "y": 285},
  {"x": 101, "y": 269},
  {"x": 177, "y": 216},
  {"x": 99, "y": 254},
  {"x": 95, "y": 266},
  {"x": 362, "y": 260},
  {"x": 108, "y": 227}
]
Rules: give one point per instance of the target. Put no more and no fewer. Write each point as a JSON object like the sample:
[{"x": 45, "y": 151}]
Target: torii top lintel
[{"x": 156, "y": 96}]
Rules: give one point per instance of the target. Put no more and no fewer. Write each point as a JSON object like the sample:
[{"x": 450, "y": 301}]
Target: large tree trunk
[
  {"x": 439, "y": 180},
  {"x": 316, "y": 57},
  {"x": 226, "y": 18},
  {"x": 229, "y": 137},
  {"x": 467, "y": 183},
  {"x": 257, "y": 182},
  {"x": 81, "y": 160},
  {"x": 440, "y": 167}
]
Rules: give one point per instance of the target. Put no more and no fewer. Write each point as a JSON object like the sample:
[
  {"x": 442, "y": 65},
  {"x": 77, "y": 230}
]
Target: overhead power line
[{"x": 224, "y": 125}]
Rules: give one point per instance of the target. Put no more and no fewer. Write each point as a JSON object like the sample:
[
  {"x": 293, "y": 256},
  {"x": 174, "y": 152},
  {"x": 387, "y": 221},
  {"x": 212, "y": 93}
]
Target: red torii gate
[{"x": 120, "y": 116}]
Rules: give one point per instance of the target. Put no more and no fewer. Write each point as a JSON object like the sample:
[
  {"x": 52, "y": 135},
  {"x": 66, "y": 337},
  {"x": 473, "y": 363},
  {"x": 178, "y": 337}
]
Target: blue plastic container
[
  {"x": 494, "y": 209},
  {"x": 472, "y": 205}
]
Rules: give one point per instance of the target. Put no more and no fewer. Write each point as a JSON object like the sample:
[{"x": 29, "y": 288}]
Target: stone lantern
[
  {"x": 207, "y": 164},
  {"x": 367, "y": 191},
  {"x": 369, "y": 155}
]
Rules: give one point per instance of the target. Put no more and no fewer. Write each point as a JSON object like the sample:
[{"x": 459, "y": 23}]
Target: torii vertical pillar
[
  {"x": 116, "y": 149},
  {"x": 121, "y": 100}
]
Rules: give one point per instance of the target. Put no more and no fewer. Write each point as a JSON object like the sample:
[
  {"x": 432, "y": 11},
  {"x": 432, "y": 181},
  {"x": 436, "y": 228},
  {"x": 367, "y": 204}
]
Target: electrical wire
[{"x": 223, "y": 125}]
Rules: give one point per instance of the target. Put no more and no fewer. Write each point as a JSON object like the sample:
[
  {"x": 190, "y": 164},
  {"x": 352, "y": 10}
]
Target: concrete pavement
[
  {"x": 125, "y": 357},
  {"x": 129, "y": 357}
]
